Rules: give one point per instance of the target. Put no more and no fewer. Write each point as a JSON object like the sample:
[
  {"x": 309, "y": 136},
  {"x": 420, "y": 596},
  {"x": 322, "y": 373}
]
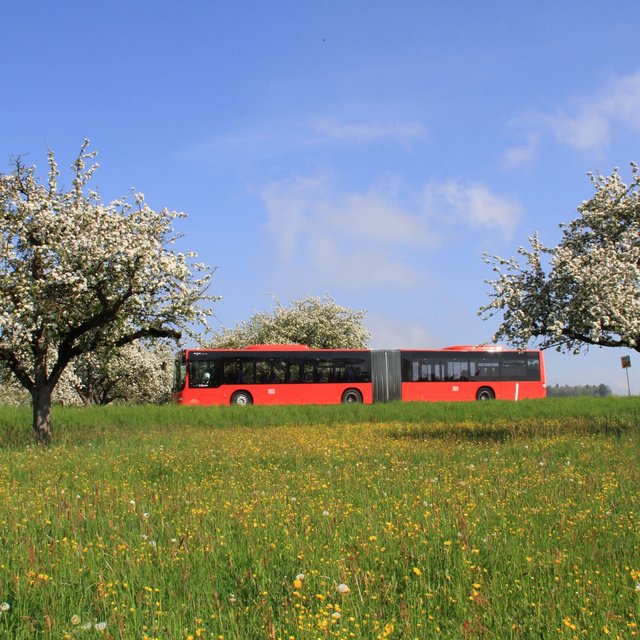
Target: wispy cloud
[
  {"x": 365, "y": 132},
  {"x": 348, "y": 239},
  {"x": 387, "y": 333},
  {"x": 279, "y": 138},
  {"x": 378, "y": 237},
  {"x": 589, "y": 126},
  {"x": 473, "y": 205},
  {"x": 522, "y": 154}
]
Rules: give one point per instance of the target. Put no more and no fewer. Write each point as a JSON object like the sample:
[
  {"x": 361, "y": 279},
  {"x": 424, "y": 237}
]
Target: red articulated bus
[{"x": 296, "y": 374}]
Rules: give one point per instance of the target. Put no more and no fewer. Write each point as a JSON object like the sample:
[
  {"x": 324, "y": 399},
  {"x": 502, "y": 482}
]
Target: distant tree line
[{"x": 598, "y": 390}]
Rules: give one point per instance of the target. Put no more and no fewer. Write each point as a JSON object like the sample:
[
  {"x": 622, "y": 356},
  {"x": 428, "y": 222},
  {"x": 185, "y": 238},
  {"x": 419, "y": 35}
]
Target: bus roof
[{"x": 472, "y": 347}]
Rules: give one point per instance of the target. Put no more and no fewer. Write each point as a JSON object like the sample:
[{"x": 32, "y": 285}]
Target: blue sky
[{"x": 371, "y": 151}]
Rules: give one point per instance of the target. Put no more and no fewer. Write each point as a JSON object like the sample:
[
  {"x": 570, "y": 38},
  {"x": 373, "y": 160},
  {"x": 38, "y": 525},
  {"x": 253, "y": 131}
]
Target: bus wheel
[
  {"x": 485, "y": 393},
  {"x": 351, "y": 396},
  {"x": 241, "y": 398}
]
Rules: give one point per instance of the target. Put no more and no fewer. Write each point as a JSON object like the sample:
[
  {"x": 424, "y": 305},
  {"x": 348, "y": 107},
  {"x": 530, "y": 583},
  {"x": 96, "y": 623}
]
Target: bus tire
[
  {"x": 485, "y": 393},
  {"x": 241, "y": 398},
  {"x": 351, "y": 396}
]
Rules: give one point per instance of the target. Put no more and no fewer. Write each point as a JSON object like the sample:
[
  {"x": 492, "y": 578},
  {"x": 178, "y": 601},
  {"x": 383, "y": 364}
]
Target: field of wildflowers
[{"x": 476, "y": 521}]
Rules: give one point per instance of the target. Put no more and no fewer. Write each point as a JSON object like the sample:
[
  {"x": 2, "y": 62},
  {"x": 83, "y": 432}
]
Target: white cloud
[
  {"x": 400, "y": 132},
  {"x": 523, "y": 153},
  {"x": 590, "y": 126},
  {"x": 389, "y": 334},
  {"x": 327, "y": 238},
  {"x": 351, "y": 239},
  {"x": 473, "y": 205},
  {"x": 588, "y": 131}
]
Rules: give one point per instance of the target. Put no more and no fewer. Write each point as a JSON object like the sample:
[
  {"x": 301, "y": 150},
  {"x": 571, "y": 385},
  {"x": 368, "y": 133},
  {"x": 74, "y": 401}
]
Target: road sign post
[{"x": 626, "y": 365}]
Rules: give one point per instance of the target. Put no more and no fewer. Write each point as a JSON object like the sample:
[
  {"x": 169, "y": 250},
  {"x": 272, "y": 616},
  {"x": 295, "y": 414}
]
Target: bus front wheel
[
  {"x": 351, "y": 396},
  {"x": 242, "y": 398},
  {"x": 485, "y": 393}
]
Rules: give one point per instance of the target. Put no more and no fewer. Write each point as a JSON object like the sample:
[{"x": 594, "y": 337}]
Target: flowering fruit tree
[
  {"x": 585, "y": 291},
  {"x": 77, "y": 275}
]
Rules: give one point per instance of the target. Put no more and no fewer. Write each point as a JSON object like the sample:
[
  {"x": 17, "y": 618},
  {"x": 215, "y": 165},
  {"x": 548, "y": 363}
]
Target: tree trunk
[{"x": 41, "y": 399}]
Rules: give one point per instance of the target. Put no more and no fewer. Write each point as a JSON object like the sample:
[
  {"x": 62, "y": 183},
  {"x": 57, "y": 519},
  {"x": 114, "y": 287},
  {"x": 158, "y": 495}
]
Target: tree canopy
[
  {"x": 586, "y": 290},
  {"x": 318, "y": 322},
  {"x": 77, "y": 275},
  {"x": 137, "y": 373}
]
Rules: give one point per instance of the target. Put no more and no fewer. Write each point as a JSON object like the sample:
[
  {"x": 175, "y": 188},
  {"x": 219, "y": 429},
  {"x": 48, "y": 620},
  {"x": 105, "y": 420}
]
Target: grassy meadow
[{"x": 470, "y": 520}]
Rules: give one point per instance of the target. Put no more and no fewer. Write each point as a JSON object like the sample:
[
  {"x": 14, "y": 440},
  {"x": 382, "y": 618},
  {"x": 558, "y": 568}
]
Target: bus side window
[
  {"x": 457, "y": 367},
  {"x": 513, "y": 366},
  {"x": 278, "y": 371},
  {"x": 533, "y": 366},
  {"x": 263, "y": 372},
  {"x": 294, "y": 372}
]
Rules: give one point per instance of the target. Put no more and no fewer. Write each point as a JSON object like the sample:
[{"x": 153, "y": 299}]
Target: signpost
[{"x": 626, "y": 365}]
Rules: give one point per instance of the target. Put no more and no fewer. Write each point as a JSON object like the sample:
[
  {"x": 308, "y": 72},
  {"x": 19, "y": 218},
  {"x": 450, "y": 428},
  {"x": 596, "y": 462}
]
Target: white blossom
[
  {"x": 319, "y": 323},
  {"x": 586, "y": 290},
  {"x": 136, "y": 373},
  {"x": 77, "y": 275}
]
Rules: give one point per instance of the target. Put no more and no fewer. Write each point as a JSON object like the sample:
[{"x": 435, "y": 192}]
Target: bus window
[
  {"x": 421, "y": 367},
  {"x": 513, "y": 366},
  {"x": 238, "y": 371},
  {"x": 323, "y": 371},
  {"x": 485, "y": 366},
  {"x": 231, "y": 371},
  {"x": 181, "y": 372},
  {"x": 262, "y": 372},
  {"x": 350, "y": 370},
  {"x": 278, "y": 371},
  {"x": 457, "y": 367},
  {"x": 428, "y": 370},
  {"x": 202, "y": 374},
  {"x": 358, "y": 370},
  {"x": 294, "y": 372},
  {"x": 533, "y": 366}
]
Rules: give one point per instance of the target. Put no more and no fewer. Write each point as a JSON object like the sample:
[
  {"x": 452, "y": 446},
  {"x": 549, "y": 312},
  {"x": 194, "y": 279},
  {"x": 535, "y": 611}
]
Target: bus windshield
[{"x": 180, "y": 372}]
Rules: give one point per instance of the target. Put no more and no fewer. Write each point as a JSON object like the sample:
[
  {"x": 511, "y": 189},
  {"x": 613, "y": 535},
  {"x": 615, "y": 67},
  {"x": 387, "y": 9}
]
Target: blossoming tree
[
  {"x": 319, "y": 323},
  {"x": 137, "y": 373},
  {"x": 77, "y": 274},
  {"x": 585, "y": 291}
]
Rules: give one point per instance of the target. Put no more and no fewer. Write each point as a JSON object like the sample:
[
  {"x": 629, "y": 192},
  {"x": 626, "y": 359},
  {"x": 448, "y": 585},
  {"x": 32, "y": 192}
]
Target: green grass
[
  {"x": 73, "y": 425},
  {"x": 479, "y": 520}
]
